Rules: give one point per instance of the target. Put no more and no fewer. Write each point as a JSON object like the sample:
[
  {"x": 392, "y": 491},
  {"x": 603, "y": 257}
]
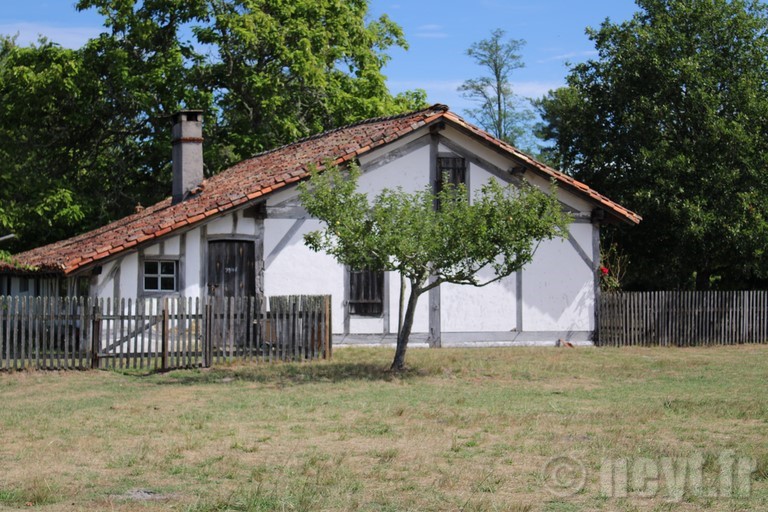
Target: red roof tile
[{"x": 267, "y": 172}]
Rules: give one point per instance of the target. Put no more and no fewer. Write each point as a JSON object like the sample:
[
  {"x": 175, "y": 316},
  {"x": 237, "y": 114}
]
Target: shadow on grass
[{"x": 284, "y": 374}]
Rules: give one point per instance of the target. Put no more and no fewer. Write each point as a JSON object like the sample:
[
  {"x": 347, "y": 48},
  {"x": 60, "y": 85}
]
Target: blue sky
[{"x": 438, "y": 32}]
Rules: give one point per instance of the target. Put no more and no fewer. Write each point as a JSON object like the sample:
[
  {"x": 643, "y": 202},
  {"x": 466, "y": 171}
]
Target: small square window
[{"x": 160, "y": 276}]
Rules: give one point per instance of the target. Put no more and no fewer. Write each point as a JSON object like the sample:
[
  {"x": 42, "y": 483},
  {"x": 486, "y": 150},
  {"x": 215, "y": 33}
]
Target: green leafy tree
[
  {"x": 266, "y": 71},
  {"x": 38, "y": 160},
  {"x": 403, "y": 232},
  {"x": 671, "y": 120},
  {"x": 499, "y": 111}
]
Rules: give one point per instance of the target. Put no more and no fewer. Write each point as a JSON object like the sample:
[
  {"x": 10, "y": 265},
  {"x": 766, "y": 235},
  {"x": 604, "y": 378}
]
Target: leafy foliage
[
  {"x": 86, "y": 132},
  {"x": 403, "y": 232},
  {"x": 671, "y": 120},
  {"x": 499, "y": 110}
]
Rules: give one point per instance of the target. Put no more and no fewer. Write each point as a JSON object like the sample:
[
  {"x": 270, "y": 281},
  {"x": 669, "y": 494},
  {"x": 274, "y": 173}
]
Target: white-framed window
[{"x": 161, "y": 275}]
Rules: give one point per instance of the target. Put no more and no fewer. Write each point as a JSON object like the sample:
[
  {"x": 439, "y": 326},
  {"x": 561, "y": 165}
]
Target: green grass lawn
[{"x": 509, "y": 429}]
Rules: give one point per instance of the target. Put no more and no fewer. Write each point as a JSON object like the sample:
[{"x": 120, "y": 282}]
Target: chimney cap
[{"x": 187, "y": 115}]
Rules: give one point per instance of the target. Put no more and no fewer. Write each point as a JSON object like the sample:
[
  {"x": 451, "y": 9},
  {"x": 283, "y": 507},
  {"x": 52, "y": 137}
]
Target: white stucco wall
[
  {"x": 409, "y": 172},
  {"x": 297, "y": 270},
  {"x": 558, "y": 286}
]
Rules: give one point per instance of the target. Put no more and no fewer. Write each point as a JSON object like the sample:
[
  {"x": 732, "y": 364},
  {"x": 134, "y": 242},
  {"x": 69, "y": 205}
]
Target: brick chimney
[{"x": 187, "y": 140}]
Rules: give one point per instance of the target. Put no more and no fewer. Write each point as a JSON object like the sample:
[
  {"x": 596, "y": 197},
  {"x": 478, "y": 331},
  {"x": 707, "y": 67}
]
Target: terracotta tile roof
[{"x": 258, "y": 176}]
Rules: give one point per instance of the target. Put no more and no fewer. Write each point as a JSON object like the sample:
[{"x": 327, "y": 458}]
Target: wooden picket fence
[
  {"x": 682, "y": 318},
  {"x": 53, "y": 333}
]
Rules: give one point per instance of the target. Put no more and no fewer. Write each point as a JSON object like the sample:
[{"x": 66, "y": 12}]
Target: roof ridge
[{"x": 435, "y": 107}]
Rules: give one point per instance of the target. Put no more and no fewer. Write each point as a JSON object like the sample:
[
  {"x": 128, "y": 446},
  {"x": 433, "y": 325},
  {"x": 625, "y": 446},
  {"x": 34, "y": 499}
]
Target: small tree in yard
[{"x": 429, "y": 238}]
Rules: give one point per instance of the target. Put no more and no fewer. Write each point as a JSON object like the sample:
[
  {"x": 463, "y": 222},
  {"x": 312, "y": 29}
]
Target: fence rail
[
  {"x": 81, "y": 333},
  {"x": 680, "y": 318}
]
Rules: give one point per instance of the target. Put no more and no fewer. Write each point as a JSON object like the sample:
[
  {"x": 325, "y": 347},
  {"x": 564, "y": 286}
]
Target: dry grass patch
[{"x": 465, "y": 430}]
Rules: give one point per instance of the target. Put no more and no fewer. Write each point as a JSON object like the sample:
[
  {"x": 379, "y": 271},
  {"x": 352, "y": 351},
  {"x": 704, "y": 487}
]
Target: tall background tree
[
  {"x": 499, "y": 111},
  {"x": 85, "y": 133},
  {"x": 671, "y": 120}
]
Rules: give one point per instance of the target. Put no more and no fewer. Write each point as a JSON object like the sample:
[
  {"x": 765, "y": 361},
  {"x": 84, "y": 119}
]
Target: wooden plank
[
  {"x": 69, "y": 324},
  {"x": 759, "y": 316},
  {"x": 77, "y": 348},
  {"x": 47, "y": 331},
  {"x": 173, "y": 333},
  {"x": 141, "y": 318},
  {"x": 634, "y": 319},
  {"x": 13, "y": 356},
  {"x": 690, "y": 307},
  {"x": 20, "y": 352},
  {"x": 56, "y": 332},
  {"x": 184, "y": 332},
  {"x": 53, "y": 351},
  {"x": 4, "y": 324},
  {"x": 30, "y": 344},
  {"x": 5, "y": 354},
  {"x": 180, "y": 331},
  {"x": 230, "y": 321},
  {"x": 164, "y": 335},
  {"x": 250, "y": 326},
  {"x": 188, "y": 329},
  {"x": 196, "y": 334},
  {"x": 279, "y": 320},
  {"x": 209, "y": 329}
]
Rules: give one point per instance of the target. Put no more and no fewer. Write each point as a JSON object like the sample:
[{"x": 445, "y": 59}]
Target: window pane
[
  {"x": 167, "y": 283},
  {"x": 150, "y": 267},
  {"x": 150, "y": 283},
  {"x": 168, "y": 268}
]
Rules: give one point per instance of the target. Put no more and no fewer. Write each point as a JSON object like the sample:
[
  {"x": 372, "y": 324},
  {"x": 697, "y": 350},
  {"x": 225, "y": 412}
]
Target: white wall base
[{"x": 472, "y": 339}]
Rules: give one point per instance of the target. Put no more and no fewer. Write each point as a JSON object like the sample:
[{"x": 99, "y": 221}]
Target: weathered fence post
[
  {"x": 208, "y": 335},
  {"x": 164, "y": 340},
  {"x": 95, "y": 336},
  {"x": 328, "y": 348}
]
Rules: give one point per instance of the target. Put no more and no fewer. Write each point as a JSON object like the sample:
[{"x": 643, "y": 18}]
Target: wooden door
[{"x": 231, "y": 268}]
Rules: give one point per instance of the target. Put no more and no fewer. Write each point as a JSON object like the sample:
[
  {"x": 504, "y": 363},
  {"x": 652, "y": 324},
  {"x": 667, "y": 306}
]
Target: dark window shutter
[{"x": 366, "y": 292}]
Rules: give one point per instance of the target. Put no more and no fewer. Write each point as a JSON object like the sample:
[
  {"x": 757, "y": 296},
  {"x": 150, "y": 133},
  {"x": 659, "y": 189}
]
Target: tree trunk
[
  {"x": 401, "y": 305},
  {"x": 398, "y": 364}
]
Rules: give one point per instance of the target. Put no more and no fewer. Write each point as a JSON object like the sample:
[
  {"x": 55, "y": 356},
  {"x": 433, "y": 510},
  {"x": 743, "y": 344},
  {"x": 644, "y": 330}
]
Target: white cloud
[
  {"x": 68, "y": 37},
  {"x": 569, "y": 56},
  {"x": 430, "y": 31}
]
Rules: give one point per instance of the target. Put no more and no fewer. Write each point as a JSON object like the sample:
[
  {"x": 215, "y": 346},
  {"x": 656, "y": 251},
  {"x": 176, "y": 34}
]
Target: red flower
[{"x": 604, "y": 270}]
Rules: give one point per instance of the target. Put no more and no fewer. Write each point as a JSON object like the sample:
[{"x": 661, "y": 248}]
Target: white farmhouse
[{"x": 240, "y": 233}]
